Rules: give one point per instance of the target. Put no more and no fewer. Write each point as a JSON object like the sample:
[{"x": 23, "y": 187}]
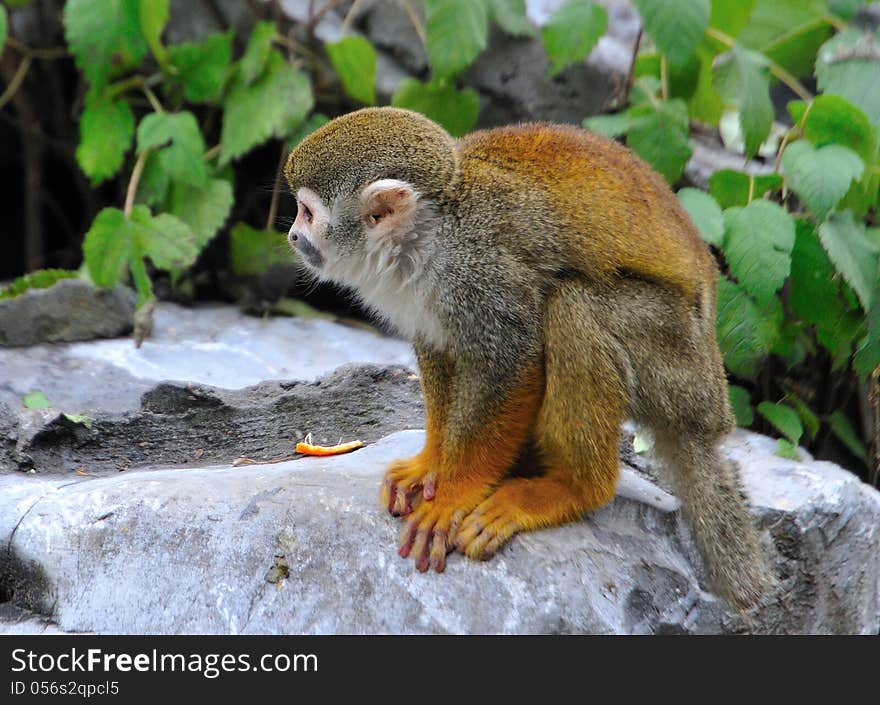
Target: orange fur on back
[{"x": 624, "y": 215}]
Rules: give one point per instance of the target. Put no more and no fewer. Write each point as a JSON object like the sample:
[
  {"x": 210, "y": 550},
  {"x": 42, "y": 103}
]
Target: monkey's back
[{"x": 622, "y": 214}]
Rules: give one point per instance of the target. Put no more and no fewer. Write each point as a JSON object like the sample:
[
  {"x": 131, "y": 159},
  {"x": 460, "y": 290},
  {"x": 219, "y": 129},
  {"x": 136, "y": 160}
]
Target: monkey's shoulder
[{"x": 542, "y": 148}]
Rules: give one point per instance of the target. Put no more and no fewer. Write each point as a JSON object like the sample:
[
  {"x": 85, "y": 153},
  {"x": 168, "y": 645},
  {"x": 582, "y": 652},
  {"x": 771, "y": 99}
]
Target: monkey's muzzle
[{"x": 306, "y": 250}]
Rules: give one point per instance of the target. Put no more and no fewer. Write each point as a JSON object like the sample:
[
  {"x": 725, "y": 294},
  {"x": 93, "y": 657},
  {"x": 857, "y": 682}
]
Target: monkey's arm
[
  {"x": 491, "y": 407},
  {"x": 405, "y": 479}
]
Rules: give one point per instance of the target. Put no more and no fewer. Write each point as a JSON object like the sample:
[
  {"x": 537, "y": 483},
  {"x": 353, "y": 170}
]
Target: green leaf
[
  {"x": 848, "y": 65},
  {"x": 852, "y": 252},
  {"x": 257, "y": 52},
  {"x": 741, "y": 403},
  {"x": 820, "y": 176},
  {"x": 742, "y": 78},
  {"x": 455, "y": 34},
  {"x": 153, "y": 16},
  {"x": 36, "y": 400},
  {"x": 808, "y": 418},
  {"x": 104, "y": 36},
  {"x": 306, "y": 128},
  {"x": 730, "y": 16},
  {"x": 731, "y": 188},
  {"x": 784, "y": 419},
  {"x": 705, "y": 105},
  {"x": 867, "y": 357},
  {"x": 154, "y": 183},
  {"x": 254, "y": 251},
  {"x": 834, "y": 120},
  {"x": 705, "y": 213},
  {"x": 40, "y": 279},
  {"x": 788, "y": 32},
  {"x": 105, "y": 128},
  {"x": 757, "y": 245},
  {"x": 180, "y": 142},
  {"x": 272, "y": 106},
  {"x": 572, "y": 31},
  {"x": 354, "y": 60},
  {"x": 455, "y": 110},
  {"x": 842, "y": 428},
  {"x": 511, "y": 16},
  {"x": 4, "y": 27},
  {"x": 165, "y": 239},
  {"x": 79, "y": 419},
  {"x": 204, "y": 210},
  {"x": 814, "y": 295},
  {"x": 746, "y": 332},
  {"x": 787, "y": 449},
  {"x": 659, "y": 135},
  {"x": 676, "y": 26},
  {"x": 144, "y": 288},
  {"x": 611, "y": 126},
  {"x": 107, "y": 247},
  {"x": 202, "y": 67}
]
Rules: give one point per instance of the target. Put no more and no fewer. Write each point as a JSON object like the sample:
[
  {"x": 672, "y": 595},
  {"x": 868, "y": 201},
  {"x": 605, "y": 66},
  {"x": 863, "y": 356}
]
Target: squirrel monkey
[{"x": 553, "y": 286}]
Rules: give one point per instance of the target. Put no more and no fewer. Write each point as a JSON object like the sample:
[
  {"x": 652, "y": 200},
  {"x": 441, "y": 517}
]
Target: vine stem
[
  {"x": 131, "y": 191},
  {"x": 788, "y": 79},
  {"x": 154, "y": 101},
  {"x": 16, "y": 81}
]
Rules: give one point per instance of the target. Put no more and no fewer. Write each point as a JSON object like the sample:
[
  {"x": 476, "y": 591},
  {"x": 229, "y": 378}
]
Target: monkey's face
[
  {"x": 308, "y": 234},
  {"x": 361, "y": 237}
]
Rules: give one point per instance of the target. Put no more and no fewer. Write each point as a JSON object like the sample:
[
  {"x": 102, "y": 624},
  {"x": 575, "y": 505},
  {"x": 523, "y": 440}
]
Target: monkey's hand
[
  {"x": 430, "y": 528},
  {"x": 407, "y": 481}
]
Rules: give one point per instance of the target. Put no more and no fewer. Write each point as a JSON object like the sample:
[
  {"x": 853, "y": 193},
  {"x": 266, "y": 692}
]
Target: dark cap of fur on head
[{"x": 375, "y": 143}]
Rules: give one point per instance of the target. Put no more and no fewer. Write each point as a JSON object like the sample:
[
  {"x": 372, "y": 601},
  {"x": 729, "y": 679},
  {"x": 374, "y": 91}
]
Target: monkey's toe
[
  {"x": 485, "y": 530},
  {"x": 404, "y": 485},
  {"x": 426, "y": 536}
]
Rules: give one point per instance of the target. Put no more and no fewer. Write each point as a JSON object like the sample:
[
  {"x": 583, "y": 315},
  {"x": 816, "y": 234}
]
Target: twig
[
  {"x": 350, "y": 15},
  {"x": 154, "y": 101},
  {"x": 273, "y": 205},
  {"x": 414, "y": 18},
  {"x": 16, "y": 81},
  {"x": 37, "y": 53},
  {"x": 131, "y": 191},
  {"x": 632, "y": 67}
]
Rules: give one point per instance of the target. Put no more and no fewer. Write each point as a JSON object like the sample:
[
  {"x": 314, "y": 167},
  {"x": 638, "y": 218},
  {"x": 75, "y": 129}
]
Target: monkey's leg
[
  {"x": 577, "y": 430},
  {"x": 479, "y": 448},
  {"x": 405, "y": 479}
]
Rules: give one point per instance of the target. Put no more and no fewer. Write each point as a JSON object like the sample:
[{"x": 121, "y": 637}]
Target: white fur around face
[{"x": 389, "y": 273}]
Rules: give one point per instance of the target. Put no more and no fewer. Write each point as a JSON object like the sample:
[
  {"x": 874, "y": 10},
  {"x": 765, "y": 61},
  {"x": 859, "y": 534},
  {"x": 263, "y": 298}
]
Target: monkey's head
[{"x": 366, "y": 185}]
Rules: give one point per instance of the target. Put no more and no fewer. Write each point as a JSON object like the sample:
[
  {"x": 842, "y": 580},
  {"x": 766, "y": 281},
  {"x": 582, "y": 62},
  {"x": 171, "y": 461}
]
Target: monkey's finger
[{"x": 387, "y": 493}]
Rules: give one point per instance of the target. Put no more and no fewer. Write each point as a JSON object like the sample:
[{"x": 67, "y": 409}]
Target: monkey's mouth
[{"x": 306, "y": 250}]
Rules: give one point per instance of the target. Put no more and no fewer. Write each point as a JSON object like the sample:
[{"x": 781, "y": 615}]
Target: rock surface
[
  {"x": 302, "y": 547},
  {"x": 209, "y": 386},
  {"x": 69, "y": 310}
]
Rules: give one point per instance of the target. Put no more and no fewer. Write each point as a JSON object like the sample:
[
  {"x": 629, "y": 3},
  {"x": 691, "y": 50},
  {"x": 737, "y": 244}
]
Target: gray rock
[
  {"x": 69, "y": 310},
  {"x": 302, "y": 547},
  {"x": 209, "y": 386}
]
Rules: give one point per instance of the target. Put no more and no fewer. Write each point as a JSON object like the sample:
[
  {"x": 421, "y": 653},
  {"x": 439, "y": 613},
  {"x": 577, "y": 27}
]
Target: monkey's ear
[{"x": 387, "y": 204}]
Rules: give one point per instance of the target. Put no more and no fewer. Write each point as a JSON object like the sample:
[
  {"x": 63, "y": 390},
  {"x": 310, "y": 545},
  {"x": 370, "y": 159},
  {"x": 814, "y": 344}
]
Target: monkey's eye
[{"x": 306, "y": 212}]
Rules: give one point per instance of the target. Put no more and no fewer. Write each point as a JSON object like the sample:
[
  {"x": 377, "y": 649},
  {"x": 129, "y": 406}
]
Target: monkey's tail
[{"x": 716, "y": 509}]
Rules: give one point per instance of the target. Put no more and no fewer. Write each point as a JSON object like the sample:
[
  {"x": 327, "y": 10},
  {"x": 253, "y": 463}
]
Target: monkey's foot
[
  {"x": 431, "y": 527},
  {"x": 522, "y": 504},
  {"x": 406, "y": 481}
]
